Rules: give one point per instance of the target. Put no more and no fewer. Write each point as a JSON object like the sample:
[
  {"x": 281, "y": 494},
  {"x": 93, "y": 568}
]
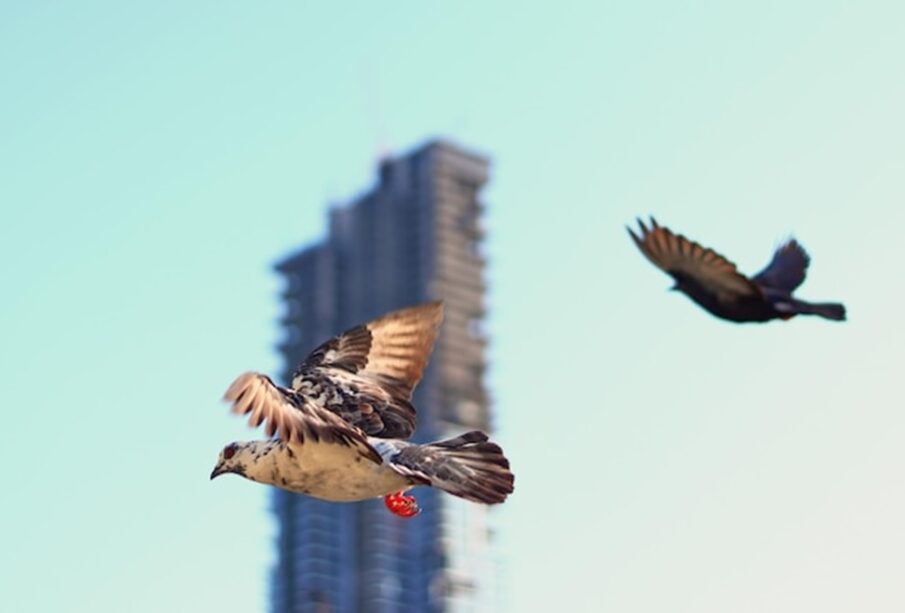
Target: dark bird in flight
[
  {"x": 713, "y": 282},
  {"x": 336, "y": 433}
]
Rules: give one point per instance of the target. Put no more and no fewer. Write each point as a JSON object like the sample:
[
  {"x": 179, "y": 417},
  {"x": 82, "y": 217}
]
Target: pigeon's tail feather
[
  {"x": 468, "y": 466},
  {"x": 471, "y": 467},
  {"x": 828, "y": 310}
]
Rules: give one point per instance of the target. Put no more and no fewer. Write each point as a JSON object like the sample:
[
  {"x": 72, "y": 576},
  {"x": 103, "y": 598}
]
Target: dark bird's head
[
  {"x": 234, "y": 458},
  {"x": 680, "y": 283}
]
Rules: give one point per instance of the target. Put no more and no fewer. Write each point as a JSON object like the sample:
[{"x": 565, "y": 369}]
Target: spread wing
[
  {"x": 366, "y": 374},
  {"x": 787, "y": 269},
  {"x": 685, "y": 259},
  {"x": 290, "y": 416}
]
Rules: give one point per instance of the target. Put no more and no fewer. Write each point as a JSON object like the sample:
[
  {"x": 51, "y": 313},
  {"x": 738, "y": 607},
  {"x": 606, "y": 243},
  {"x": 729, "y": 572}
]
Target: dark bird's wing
[
  {"x": 290, "y": 416},
  {"x": 787, "y": 269},
  {"x": 686, "y": 260},
  {"x": 366, "y": 375}
]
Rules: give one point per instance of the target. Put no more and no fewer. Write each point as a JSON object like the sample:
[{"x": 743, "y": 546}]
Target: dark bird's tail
[
  {"x": 828, "y": 310},
  {"x": 468, "y": 466}
]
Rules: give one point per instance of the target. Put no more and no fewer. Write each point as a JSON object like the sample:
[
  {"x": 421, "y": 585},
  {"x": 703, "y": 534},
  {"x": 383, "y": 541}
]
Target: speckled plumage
[
  {"x": 366, "y": 375},
  {"x": 339, "y": 427}
]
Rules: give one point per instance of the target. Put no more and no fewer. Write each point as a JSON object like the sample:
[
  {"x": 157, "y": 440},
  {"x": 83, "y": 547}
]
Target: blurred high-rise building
[{"x": 416, "y": 236}]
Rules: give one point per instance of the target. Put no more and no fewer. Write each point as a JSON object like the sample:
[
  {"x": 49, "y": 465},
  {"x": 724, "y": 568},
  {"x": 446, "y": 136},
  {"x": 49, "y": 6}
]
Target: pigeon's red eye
[{"x": 229, "y": 452}]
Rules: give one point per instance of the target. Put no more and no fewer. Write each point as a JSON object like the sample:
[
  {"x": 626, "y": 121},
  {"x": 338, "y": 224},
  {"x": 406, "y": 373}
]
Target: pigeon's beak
[{"x": 218, "y": 470}]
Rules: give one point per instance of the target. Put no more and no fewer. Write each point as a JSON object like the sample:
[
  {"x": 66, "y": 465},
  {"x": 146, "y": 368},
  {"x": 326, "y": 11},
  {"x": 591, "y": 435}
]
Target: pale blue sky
[{"x": 156, "y": 158}]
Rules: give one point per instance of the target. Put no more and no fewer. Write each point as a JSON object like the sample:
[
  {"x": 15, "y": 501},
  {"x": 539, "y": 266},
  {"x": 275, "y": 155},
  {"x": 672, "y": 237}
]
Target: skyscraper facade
[{"x": 416, "y": 236}]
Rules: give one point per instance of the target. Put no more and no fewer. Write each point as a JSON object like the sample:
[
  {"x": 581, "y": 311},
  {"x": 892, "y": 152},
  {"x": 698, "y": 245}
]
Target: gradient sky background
[{"x": 157, "y": 158}]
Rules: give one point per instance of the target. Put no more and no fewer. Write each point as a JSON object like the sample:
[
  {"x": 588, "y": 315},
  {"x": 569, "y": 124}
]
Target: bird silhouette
[{"x": 714, "y": 283}]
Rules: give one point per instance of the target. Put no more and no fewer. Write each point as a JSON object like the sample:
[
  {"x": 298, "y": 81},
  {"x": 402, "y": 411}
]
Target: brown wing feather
[
  {"x": 679, "y": 256},
  {"x": 290, "y": 416},
  {"x": 396, "y": 345},
  {"x": 366, "y": 375}
]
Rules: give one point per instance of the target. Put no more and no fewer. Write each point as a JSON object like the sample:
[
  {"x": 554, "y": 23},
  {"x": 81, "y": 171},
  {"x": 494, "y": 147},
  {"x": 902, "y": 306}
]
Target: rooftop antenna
[{"x": 372, "y": 98}]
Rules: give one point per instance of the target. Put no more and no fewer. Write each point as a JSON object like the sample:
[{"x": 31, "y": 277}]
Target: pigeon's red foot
[{"x": 401, "y": 505}]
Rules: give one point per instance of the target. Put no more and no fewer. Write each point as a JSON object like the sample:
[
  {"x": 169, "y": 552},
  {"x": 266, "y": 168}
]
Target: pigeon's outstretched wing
[
  {"x": 787, "y": 269},
  {"x": 686, "y": 260},
  {"x": 293, "y": 418},
  {"x": 366, "y": 374}
]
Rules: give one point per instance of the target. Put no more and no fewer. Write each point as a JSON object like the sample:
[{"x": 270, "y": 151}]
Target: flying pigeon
[
  {"x": 713, "y": 282},
  {"x": 337, "y": 433}
]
